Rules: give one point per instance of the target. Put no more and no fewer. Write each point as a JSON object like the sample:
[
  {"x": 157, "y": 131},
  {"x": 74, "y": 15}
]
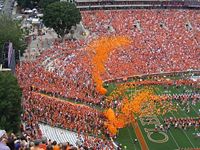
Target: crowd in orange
[
  {"x": 54, "y": 112},
  {"x": 163, "y": 41},
  {"x": 67, "y": 69},
  {"x": 57, "y": 113},
  {"x": 159, "y": 41}
]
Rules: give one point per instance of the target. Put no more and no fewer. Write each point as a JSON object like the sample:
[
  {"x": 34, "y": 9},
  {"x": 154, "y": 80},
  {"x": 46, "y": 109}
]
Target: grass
[
  {"x": 127, "y": 137},
  {"x": 177, "y": 138}
]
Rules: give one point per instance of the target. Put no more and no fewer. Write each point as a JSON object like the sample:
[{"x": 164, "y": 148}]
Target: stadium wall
[
  {"x": 144, "y": 4},
  {"x": 145, "y": 76}
]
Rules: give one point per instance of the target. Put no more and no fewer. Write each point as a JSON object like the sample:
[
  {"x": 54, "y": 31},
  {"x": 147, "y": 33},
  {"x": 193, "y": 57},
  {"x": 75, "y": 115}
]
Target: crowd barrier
[{"x": 144, "y": 76}]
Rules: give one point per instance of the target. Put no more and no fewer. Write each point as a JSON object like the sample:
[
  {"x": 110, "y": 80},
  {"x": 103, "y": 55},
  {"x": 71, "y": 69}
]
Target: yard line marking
[
  {"x": 169, "y": 130},
  {"x": 172, "y": 136},
  {"x": 195, "y": 110},
  {"x": 187, "y": 116},
  {"x": 189, "y": 139},
  {"x": 184, "y": 131}
]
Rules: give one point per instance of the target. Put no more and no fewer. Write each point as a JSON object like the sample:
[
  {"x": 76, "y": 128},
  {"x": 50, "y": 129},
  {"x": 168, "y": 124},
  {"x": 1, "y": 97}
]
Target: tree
[
  {"x": 10, "y": 31},
  {"x": 28, "y": 3},
  {"x": 10, "y": 102},
  {"x": 61, "y": 16},
  {"x": 44, "y": 3}
]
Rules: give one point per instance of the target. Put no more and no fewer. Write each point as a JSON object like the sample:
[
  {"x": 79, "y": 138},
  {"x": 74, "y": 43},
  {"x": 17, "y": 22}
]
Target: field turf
[{"x": 175, "y": 138}]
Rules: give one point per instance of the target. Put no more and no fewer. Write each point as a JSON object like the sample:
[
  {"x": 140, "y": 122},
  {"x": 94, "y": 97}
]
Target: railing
[
  {"x": 111, "y": 4},
  {"x": 124, "y": 79}
]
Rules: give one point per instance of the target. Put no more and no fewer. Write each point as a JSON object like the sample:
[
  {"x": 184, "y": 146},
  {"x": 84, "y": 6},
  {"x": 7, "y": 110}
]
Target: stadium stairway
[{"x": 59, "y": 135}]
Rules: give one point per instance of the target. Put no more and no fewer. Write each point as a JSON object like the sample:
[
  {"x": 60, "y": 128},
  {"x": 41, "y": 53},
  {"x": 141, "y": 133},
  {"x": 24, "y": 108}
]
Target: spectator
[
  {"x": 55, "y": 146},
  {"x": 43, "y": 144},
  {"x": 49, "y": 147},
  {"x": 36, "y": 145},
  {"x": 3, "y": 140}
]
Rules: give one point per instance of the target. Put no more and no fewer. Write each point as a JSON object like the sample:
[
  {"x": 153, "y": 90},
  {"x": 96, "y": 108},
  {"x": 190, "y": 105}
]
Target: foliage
[
  {"x": 61, "y": 16},
  {"x": 35, "y": 3},
  {"x": 28, "y": 3},
  {"x": 44, "y": 3},
  {"x": 10, "y": 102},
  {"x": 10, "y": 31}
]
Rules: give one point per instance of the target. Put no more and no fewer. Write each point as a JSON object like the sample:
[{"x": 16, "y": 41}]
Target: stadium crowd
[
  {"x": 156, "y": 48},
  {"x": 25, "y": 142},
  {"x": 52, "y": 111},
  {"x": 162, "y": 41}
]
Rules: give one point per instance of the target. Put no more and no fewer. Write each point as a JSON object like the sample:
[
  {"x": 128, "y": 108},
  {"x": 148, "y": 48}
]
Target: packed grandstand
[{"x": 164, "y": 50}]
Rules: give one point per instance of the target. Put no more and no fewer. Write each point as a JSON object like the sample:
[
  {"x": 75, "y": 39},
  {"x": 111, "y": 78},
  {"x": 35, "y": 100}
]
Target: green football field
[{"x": 162, "y": 140}]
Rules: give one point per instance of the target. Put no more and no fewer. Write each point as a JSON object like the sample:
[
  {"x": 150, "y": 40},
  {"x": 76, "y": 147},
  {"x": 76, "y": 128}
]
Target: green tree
[
  {"x": 44, "y": 3},
  {"x": 28, "y": 3},
  {"x": 10, "y": 31},
  {"x": 61, "y": 16},
  {"x": 10, "y": 102}
]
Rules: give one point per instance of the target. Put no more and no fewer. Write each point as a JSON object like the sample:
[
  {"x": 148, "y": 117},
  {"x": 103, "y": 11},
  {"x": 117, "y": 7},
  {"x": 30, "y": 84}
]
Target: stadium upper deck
[
  {"x": 127, "y": 0},
  {"x": 127, "y": 4}
]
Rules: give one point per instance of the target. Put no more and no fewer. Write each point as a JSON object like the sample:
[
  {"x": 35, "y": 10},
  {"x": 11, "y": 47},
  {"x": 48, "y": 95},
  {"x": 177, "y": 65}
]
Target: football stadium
[{"x": 129, "y": 79}]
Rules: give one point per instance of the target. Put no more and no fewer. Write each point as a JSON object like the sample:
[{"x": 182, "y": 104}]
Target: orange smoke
[
  {"x": 114, "y": 122},
  {"x": 100, "y": 50},
  {"x": 143, "y": 103}
]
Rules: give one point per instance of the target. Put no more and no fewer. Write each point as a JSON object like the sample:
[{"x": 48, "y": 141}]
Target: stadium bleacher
[{"x": 165, "y": 42}]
